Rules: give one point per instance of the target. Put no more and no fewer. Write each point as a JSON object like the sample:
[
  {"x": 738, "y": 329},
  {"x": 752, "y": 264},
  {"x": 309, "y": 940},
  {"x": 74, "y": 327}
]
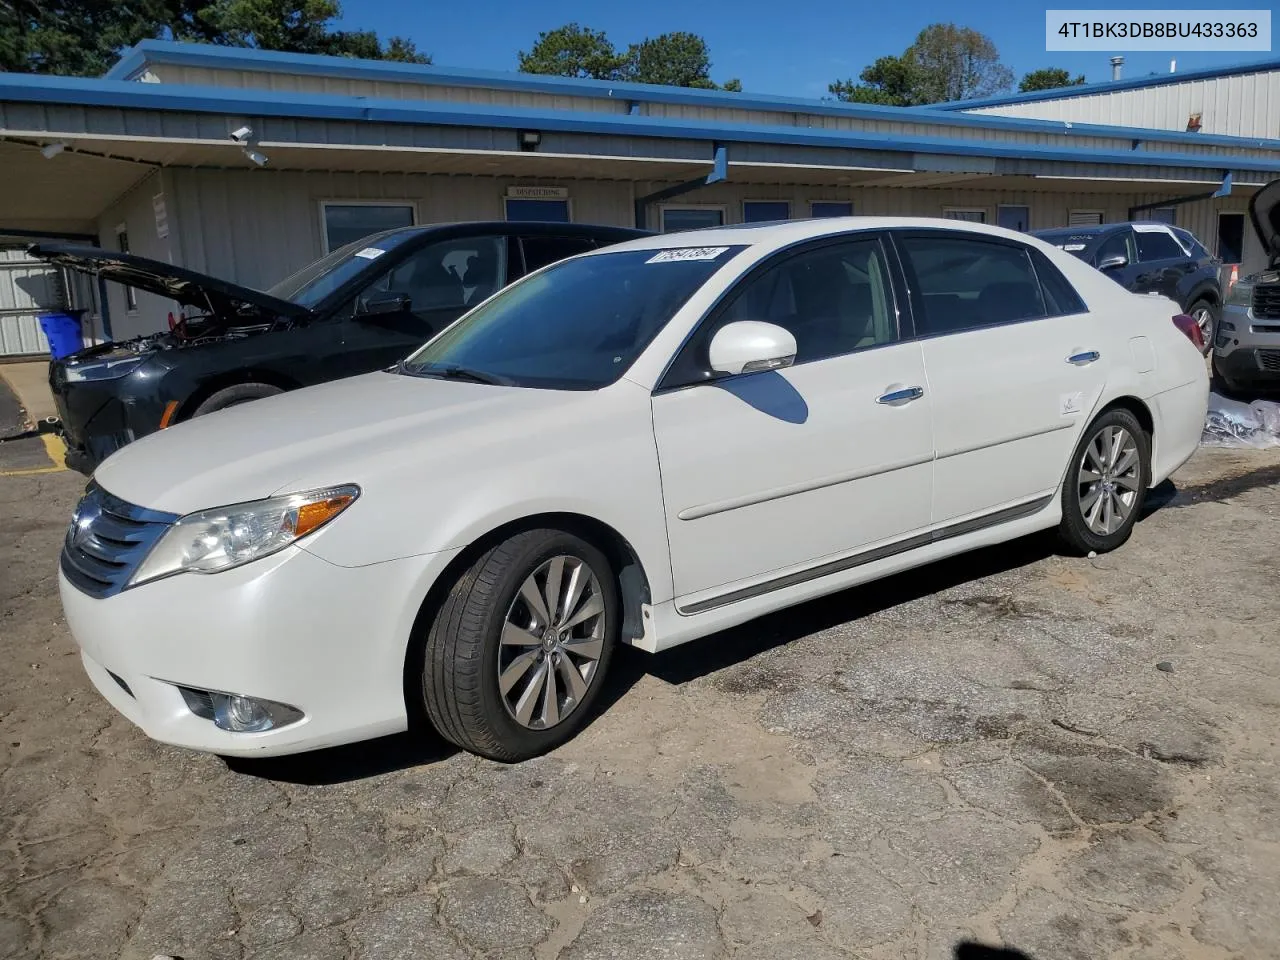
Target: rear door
[
  {"x": 1162, "y": 263},
  {"x": 1014, "y": 361}
]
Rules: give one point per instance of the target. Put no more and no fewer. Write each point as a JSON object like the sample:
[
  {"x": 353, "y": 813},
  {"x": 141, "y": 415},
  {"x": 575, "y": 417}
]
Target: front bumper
[
  {"x": 328, "y": 640},
  {"x": 1247, "y": 348}
]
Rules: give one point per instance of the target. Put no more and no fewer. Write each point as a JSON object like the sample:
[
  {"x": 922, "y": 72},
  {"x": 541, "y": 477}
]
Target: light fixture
[
  {"x": 51, "y": 150},
  {"x": 242, "y": 134},
  {"x": 529, "y": 139},
  {"x": 258, "y": 158}
]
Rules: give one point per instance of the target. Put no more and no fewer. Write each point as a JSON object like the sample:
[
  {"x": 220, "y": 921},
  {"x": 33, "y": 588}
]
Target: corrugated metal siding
[
  {"x": 341, "y": 86},
  {"x": 27, "y": 288},
  {"x": 1244, "y": 105}
]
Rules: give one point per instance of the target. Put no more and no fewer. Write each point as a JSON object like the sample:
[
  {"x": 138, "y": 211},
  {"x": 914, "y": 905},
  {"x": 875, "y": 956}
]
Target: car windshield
[
  {"x": 577, "y": 325},
  {"x": 317, "y": 280}
]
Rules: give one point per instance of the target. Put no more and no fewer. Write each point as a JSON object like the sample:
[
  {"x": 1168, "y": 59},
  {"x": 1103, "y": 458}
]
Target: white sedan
[{"x": 643, "y": 445}]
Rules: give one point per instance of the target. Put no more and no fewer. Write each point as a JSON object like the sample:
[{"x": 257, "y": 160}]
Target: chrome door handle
[
  {"x": 1080, "y": 359},
  {"x": 905, "y": 395}
]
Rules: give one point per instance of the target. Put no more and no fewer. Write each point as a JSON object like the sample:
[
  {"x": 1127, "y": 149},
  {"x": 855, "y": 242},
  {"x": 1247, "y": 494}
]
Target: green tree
[
  {"x": 945, "y": 62},
  {"x": 669, "y": 59},
  {"x": 1049, "y": 78},
  {"x": 84, "y": 37},
  {"x": 574, "y": 51},
  {"x": 890, "y": 81}
]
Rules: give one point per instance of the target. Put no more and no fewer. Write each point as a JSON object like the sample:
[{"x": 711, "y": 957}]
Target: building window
[
  {"x": 1013, "y": 217},
  {"x": 831, "y": 208},
  {"x": 969, "y": 214},
  {"x": 1167, "y": 215},
  {"x": 130, "y": 293},
  {"x": 765, "y": 211},
  {"x": 537, "y": 211},
  {"x": 1084, "y": 218},
  {"x": 675, "y": 219},
  {"x": 1231, "y": 237},
  {"x": 347, "y": 222}
]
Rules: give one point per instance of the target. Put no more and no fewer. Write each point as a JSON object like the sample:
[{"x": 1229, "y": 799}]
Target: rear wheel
[
  {"x": 235, "y": 395},
  {"x": 1106, "y": 483},
  {"x": 1206, "y": 318},
  {"x": 1230, "y": 387},
  {"x": 516, "y": 655}
]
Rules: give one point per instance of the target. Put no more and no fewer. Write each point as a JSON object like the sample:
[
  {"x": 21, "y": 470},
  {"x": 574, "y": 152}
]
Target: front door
[
  {"x": 1015, "y": 364},
  {"x": 437, "y": 284},
  {"x": 1162, "y": 263},
  {"x": 765, "y": 473}
]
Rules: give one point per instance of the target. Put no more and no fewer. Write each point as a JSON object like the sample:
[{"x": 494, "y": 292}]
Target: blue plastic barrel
[{"x": 63, "y": 332}]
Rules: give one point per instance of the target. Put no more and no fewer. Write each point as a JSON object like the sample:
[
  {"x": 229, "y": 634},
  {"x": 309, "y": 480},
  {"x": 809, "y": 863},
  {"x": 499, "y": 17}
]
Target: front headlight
[
  {"x": 102, "y": 369},
  {"x": 214, "y": 540},
  {"x": 1240, "y": 294}
]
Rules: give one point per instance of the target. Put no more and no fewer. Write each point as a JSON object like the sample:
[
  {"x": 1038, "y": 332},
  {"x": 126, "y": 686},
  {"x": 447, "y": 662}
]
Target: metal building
[{"x": 249, "y": 164}]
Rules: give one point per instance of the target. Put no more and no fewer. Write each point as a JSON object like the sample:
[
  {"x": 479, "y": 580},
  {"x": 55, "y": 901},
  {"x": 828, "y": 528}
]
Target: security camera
[
  {"x": 258, "y": 158},
  {"x": 51, "y": 150},
  {"x": 242, "y": 135}
]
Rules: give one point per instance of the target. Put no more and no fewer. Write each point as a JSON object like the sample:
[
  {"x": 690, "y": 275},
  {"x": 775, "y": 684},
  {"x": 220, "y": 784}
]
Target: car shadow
[
  {"x": 693, "y": 660},
  {"x": 971, "y": 950}
]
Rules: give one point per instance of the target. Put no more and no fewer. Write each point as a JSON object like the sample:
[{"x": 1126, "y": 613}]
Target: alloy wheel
[
  {"x": 1203, "y": 317},
  {"x": 1109, "y": 478},
  {"x": 552, "y": 641}
]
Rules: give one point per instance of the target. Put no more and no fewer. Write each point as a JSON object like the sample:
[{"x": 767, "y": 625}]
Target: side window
[
  {"x": 1060, "y": 298},
  {"x": 1116, "y": 245},
  {"x": 539, "y": 251},
  {"x": 834, "y": 299},
  {"x": 450, "y": 275},
  {"x": 1157, "y": 245},
  {"x": 961, "y": 283}
]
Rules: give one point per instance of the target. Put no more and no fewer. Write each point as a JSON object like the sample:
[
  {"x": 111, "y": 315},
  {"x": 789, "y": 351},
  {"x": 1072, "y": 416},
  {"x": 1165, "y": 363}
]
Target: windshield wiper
[{"x": 453, "y": 371}]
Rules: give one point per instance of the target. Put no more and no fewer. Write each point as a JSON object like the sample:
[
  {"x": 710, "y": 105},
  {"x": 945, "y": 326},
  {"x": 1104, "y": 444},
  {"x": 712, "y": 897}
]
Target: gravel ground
[{"x": 1075, "y": 758}]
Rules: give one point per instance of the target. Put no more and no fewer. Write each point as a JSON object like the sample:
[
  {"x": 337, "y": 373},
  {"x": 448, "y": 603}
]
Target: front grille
[
  {"x": 1266, "y": 301},
  {"x": 106, "y": 541},
  {"x": 1269, "y": 360}
]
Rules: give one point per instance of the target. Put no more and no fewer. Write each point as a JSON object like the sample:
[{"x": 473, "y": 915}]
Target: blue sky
[{"x": 778, "y": 48}]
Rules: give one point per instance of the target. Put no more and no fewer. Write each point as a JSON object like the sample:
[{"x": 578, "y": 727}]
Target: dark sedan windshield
[
  {"x": 577, "y": 325},
  {"x": 317, "y": 280}
]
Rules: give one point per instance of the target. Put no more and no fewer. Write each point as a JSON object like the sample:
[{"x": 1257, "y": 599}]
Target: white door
[
  {"x": 776, "y": 470},
  {"x": 1015, "y": 363}
]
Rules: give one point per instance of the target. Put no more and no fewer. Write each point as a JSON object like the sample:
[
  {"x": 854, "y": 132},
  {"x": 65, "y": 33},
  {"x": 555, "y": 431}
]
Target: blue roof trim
[
  {"x": 1107, "y": 86},
  {"x": 236, "y": 102},
  {"x": 138, "y": 57}
]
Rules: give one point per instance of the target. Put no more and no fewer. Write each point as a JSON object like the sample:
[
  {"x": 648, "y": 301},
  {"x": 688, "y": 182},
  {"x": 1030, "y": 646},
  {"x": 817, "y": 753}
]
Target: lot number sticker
[
  {"x": 683, "y": 254},
  {"x": 370, "y": 253}
]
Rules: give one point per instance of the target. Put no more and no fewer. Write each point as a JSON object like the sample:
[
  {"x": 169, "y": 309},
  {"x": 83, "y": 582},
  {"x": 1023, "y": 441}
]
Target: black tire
[
  {"x": 460, "y": 688},
  {"x": 235, "y": 395},
  {"x": 1212, "y": 332},
  {"x": 1231, "y": 389},
  {"x": 1074, "y": 529}
]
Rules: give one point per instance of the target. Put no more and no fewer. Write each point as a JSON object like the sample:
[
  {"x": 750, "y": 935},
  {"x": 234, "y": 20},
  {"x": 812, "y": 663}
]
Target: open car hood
[
  {"x": 1264, "y": 211},
  {"x": 164, "y": 279}
]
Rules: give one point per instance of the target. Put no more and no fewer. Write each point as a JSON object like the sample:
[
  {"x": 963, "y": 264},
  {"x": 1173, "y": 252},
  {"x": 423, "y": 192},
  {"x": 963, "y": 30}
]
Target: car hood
[
  {"x": 187, "y": 287},
  {"x": 1264, "y": 211},
  {"x": 347, "y": 431}
]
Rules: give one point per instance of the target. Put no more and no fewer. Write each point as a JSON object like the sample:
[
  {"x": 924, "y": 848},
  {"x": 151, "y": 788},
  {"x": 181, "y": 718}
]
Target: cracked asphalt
[{"x": 983, "y": 751}]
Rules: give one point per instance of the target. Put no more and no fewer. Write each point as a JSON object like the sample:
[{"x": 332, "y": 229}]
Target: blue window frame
[
  {"x": 763, "y": 211},
  {"x": 831, "y": 208},
  {"x": 538, "y": 211}
]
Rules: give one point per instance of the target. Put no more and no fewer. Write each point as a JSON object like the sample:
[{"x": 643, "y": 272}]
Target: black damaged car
[{"x": 362, "y": 308}]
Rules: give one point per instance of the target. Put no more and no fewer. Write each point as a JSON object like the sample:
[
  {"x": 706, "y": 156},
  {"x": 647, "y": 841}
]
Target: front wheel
[
  {"x": 1106, "y": 483},
  {"x": 516, "y": 655},
  {"x": 235, "y": 395}
]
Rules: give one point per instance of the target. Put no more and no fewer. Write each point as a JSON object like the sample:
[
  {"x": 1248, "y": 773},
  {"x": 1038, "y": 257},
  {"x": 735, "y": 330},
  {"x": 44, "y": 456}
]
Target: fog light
[{"x": 239, "y": 714}]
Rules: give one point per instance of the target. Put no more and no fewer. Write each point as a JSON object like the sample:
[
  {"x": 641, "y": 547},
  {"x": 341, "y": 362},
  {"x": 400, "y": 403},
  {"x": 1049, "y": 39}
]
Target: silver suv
[{"x": 1246, "y": 350}]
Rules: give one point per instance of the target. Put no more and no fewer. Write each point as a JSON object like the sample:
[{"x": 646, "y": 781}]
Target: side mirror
[
  {"x": 748, "y": 346},
  {"x": 384, "y": 303},
  {"x": 1113, "y": 262}
]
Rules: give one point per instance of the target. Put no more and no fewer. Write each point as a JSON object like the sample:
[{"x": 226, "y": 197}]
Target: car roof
[
  {"x": 783, "y": 233},
  {"x": 467, "y": 228}
]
